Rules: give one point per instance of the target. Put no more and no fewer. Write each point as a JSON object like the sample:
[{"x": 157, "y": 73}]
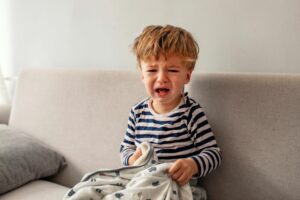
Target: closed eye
[
  {"x": 151, "y": 70},
  {"x": 173, "y": 70}
]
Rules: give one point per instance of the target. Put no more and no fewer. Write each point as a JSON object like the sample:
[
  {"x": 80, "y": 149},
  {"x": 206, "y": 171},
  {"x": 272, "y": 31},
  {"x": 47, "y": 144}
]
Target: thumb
[{"x": 138, "y": 152}]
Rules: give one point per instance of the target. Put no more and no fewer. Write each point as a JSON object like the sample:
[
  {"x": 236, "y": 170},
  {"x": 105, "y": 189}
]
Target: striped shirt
[{"x": 184, "y": 132}]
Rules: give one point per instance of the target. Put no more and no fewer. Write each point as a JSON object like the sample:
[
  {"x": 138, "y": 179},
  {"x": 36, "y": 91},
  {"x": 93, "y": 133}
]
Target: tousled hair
[{"x": 164, "y": 40}]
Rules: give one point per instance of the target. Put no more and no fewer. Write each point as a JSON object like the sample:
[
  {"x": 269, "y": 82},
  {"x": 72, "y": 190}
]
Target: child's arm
[
  {"x": 128, "y": 151},
  {"x": 182, "y": 170},
  {"x": 209, "y": 154}
]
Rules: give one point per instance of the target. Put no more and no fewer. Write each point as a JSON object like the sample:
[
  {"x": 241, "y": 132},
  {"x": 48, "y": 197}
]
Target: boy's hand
[
  {"x": 182, "y": 170},
  {"x": 135, "y": 156}
]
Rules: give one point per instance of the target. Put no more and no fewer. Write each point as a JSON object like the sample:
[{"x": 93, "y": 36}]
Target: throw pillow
[{"x": 24, "y": 158}]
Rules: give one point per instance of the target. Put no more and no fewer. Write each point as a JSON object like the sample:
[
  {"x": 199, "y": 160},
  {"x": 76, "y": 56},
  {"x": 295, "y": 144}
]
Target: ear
[{"x": 188, "y": 76}]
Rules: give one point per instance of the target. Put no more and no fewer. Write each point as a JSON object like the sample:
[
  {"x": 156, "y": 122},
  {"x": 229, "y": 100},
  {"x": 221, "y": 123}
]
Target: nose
[{"x": 162, "y": 76}]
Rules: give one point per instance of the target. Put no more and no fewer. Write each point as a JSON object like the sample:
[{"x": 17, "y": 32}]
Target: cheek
[
  {"x": 179, "y": 83},
  {"x": 178, "y": 80},
  {"x": 185, "y": 78},
  {"x": 148, "y": 83}
]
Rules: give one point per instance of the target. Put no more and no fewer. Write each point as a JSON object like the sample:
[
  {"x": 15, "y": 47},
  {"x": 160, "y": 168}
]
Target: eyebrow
[
  {"x": 168, "y": 66},
  {"x": 151, "y": 65},
  {"x": 173, "y": 66}
]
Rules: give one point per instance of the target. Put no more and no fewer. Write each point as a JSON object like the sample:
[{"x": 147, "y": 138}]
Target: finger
[
  {"x": 174, "y": 167},
  {"x": 138, "y": 152},
  {"x": 182, "y": 183},
  {"x": 183, "y": 179},
  {"x": 177, "y": 174}
]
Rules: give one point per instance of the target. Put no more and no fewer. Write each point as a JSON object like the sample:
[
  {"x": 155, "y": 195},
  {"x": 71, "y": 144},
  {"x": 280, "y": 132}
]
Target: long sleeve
[
  {"x": 209, "y": 153},
  {"x": 128, "y": 145}
]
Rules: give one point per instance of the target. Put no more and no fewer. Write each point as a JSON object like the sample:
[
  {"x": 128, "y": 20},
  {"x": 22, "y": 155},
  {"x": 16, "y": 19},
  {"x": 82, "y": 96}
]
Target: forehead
[{"x": 169, "y": 60}]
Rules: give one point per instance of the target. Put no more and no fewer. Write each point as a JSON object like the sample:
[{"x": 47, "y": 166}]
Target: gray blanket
[{"x": 148, "y": 180}]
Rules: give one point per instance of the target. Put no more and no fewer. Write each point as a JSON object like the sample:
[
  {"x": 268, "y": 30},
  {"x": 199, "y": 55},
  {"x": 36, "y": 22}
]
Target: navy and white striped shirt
[{"x": 184, "y": 132}]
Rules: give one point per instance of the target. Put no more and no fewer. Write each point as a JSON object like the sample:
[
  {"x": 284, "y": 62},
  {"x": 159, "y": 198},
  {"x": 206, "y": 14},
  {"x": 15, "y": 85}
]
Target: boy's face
[{"x": 164, "y": 80}]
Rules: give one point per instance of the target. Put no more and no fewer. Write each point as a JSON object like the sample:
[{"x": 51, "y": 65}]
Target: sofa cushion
[
  {"x": 37, "y": 190},
  {"x": 24, "y": 158},
  {"x": 82, "y": 113},
  {"x": 255, "y": 118}
]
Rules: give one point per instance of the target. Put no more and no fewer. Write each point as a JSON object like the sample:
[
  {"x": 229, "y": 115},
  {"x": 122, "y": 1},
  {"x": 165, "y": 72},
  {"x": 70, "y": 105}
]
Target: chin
[{"x": 163, "y": 101}]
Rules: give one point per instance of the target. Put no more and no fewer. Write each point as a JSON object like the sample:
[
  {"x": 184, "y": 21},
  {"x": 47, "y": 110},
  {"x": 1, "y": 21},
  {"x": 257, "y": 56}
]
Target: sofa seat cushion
[{"x": 37, "y": 190}]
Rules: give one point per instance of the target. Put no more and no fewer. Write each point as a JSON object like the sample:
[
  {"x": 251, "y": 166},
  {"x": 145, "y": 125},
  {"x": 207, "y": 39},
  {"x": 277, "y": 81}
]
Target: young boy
[{"x": 170, "y": 120}]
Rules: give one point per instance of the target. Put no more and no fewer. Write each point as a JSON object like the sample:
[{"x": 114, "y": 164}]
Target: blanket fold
[{"x": 145, "y": 180}]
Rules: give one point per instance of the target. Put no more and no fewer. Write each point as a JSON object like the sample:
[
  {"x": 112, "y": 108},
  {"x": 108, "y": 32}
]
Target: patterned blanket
[{"x": 147, "y": 180}]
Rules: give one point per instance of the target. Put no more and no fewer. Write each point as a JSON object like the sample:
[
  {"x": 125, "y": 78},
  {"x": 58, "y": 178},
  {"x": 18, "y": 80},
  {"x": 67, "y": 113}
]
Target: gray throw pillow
[{"x": 24, "y": 158}]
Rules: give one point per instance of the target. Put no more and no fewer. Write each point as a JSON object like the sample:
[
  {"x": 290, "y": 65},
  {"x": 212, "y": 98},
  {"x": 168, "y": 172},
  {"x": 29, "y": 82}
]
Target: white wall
[{"x": 234, "y": 35}]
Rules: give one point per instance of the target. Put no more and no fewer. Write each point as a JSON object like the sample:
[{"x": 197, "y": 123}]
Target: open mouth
[{"x": 162, "y": 90}]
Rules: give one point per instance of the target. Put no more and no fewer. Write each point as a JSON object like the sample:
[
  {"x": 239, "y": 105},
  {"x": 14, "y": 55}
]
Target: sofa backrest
[
  {"x": 83, "y": 115},
  {"x": 256, "y": 119}
]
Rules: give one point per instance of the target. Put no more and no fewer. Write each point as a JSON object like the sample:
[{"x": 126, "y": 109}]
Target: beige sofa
[{"x": 82, "y": 114}]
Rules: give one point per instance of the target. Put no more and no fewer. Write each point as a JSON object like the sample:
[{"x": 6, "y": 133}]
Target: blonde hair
[{"x": 164, "y": 40}]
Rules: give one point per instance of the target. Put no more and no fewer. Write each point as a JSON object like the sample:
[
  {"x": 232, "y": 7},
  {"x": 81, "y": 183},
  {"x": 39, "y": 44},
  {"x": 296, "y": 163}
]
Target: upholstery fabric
[
  {"x": 255, "y": 118},
  {"x": 37, "y": 190},
  {"x": 78, "y": 112}
]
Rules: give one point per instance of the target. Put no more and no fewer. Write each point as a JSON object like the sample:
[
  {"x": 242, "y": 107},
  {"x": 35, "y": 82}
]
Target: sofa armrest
[{"x": 4, "y": 114}]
